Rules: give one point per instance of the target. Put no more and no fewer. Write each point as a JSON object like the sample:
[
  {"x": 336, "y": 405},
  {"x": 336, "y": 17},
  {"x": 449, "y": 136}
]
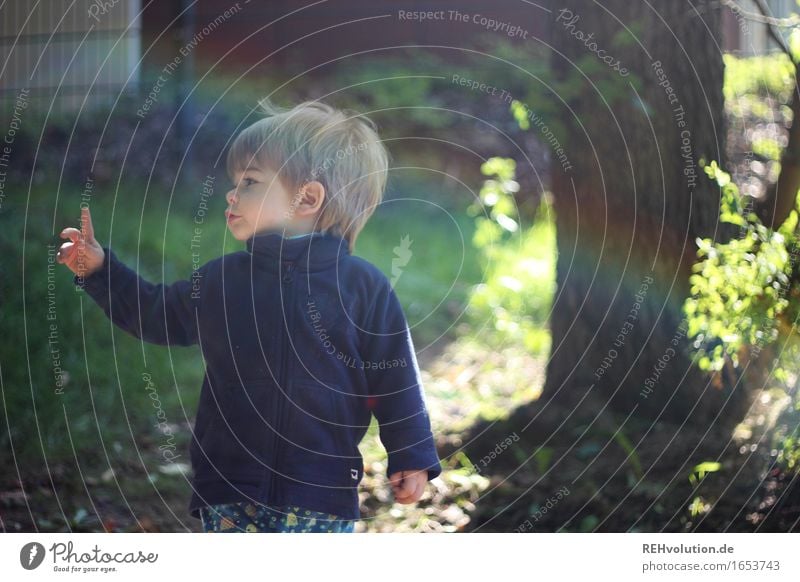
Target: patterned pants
[{"x": 249, "y": 517}]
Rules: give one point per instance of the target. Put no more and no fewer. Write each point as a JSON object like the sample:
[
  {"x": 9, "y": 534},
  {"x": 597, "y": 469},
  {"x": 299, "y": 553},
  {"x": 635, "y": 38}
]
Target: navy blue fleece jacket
[{"x": 303, "y": 342}]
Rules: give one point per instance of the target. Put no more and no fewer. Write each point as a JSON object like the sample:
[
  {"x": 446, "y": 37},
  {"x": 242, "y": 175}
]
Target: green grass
[
  {"x": 104, "y": 401},
  {"x": 435, "y": 283}
]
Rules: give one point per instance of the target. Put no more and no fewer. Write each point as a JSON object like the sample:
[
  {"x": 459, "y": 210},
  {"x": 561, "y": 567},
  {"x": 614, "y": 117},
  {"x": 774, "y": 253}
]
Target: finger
[
  {"x": 86, "y": 224},
  {"x": 395, "y": 479},
  {"x": 405, "y": 489},
  {"x": 407, "y": 498},
  {"x": 419, "y": 480},
  {"x": 408, "y": 484},
  {"x": 64, "y": 254},
  {"x": 72, "y": 233},
  {"x": 69, "y": 255},
  {"x": 400, "y": 496},
  {"x": 404, "y": 498},
  {"x": 420, "y": 488},
  {"x": 399, "y": 481}
]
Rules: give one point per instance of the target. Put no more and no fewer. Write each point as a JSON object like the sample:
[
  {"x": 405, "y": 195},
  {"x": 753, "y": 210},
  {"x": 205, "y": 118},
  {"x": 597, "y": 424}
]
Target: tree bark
[{"x": 630, "y": 210}]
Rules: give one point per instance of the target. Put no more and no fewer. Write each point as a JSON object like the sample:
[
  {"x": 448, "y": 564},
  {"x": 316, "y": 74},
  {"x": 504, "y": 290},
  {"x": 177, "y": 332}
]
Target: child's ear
[{"x": 311, "y": 196}]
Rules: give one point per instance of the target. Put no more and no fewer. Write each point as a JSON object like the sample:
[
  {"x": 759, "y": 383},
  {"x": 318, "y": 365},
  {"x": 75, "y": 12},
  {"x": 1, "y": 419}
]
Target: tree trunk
[{"x": 629, "y": 210}]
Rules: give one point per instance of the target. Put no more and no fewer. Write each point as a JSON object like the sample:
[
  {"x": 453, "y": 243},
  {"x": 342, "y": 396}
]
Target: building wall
[
  {"x": 94, "y": 50},
  {"x": 256, "y": 36},
  {"x": 88, "y": 53},
  {"x": 745, "y": 36}
]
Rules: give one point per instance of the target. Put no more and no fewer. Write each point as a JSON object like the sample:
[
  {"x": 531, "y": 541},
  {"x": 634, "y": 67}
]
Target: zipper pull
[{"x": 287, "y": 273}]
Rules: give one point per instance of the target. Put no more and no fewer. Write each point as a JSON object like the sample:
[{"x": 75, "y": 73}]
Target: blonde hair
[{"x": 313, "y": 141}]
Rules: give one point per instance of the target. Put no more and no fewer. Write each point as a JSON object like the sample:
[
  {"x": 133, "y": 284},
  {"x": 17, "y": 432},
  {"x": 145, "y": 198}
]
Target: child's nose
[{"x": 231, "y": 195}]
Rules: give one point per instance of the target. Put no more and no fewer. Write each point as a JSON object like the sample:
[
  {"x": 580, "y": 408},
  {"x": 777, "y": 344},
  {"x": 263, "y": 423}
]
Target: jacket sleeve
[
  {"x": 159, "y": 314},
  {"x": 395, "y": 386}
]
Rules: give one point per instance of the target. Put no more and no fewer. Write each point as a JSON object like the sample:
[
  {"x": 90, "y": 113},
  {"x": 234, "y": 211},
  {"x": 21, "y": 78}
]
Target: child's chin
[{"x": 238, "y": 234}]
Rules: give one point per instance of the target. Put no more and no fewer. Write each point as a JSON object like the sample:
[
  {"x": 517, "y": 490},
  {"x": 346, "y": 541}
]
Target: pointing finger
[{"x": 86, "y": 224}]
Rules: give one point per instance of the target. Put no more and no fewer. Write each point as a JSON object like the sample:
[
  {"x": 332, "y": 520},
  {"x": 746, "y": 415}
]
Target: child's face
[{"x": 258, "y": 203}]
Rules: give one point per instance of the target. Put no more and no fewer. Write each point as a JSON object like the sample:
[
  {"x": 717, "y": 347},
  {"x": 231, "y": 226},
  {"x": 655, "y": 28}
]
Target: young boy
[{"x": 303, "y": 342}]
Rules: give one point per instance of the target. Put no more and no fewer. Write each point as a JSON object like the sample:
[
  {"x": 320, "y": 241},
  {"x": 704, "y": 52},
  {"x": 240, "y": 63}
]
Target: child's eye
[{"x": 248, "y": 181}]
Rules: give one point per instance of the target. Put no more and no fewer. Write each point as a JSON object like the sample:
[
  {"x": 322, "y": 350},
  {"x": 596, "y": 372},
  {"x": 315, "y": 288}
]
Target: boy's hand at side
[
  {"x": 83, "y": 255},
  {"x": 408, "y": 486}
]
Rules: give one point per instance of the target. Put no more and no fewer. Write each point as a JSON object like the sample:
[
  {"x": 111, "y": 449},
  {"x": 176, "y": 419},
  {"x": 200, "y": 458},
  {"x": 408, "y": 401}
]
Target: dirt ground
[{"x": 531, "y": 468}]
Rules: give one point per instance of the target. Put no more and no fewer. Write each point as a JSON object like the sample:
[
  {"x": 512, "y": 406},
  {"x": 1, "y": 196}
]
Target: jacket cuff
[
  {"x": 412, "y": 451},
  {"x": 98, "y": 280}
]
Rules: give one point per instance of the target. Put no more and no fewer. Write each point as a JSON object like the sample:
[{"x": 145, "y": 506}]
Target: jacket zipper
[{"x": 283, "y": 378}]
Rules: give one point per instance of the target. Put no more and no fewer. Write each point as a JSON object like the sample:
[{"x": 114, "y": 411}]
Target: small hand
[
  {"x": 83, "y": 255},
  {"x": 408, "y": 486}
]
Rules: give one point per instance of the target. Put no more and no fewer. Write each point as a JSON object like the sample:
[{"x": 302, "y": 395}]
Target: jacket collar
[{"x": 308, "y": 253}]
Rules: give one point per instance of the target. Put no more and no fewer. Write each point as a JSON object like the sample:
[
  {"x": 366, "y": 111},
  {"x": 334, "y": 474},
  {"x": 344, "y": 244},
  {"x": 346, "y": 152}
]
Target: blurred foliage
[
  {"x": 701, "y": 470},
  {"x": 761, "y": 76},
  {"x": 742, "y": 291},
  {"x": 405, "y": 85},
  {"x": 789, "y": 455},
  {"x": 519, "y": 264},
  {"x": 745, "y": 294},
  {"x": 757, "y": 92}
]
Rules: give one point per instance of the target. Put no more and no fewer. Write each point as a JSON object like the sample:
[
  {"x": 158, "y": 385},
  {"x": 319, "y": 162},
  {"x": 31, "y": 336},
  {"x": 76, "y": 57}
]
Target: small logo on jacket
[
  {"x": 354, "y": 474},
  {"x": 31, "y": 555}
]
